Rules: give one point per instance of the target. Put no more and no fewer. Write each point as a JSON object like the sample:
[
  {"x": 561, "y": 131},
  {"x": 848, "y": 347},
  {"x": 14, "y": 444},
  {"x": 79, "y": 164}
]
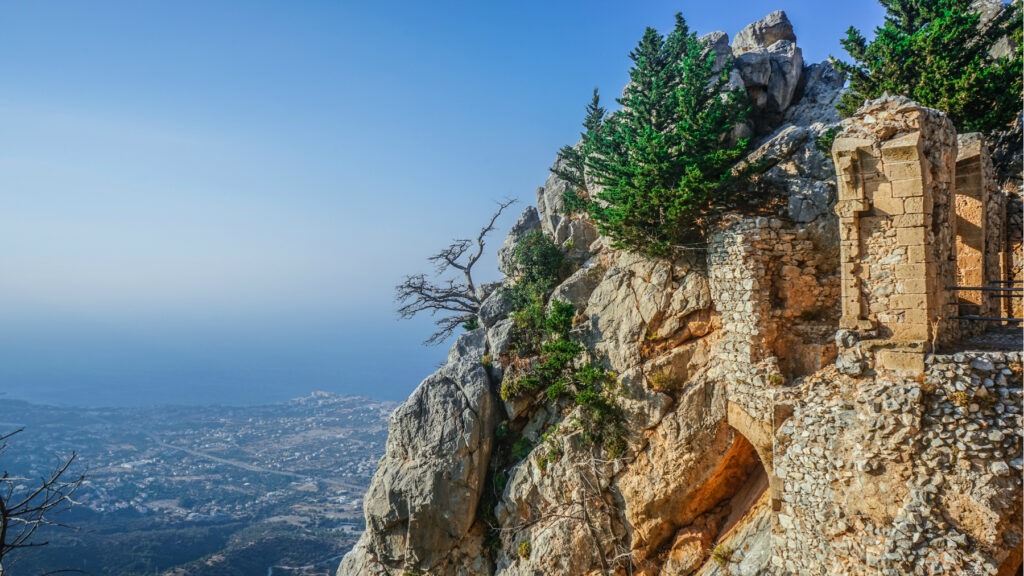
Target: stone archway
[{"x": 760, "y": 435}]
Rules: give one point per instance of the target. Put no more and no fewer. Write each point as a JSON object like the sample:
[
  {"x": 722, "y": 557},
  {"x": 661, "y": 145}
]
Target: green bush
[
  {"x": 661, "y": 159},
  {"x": 512, "y": 387},
  {"x": 722, "y": 554},
  {"x": 521, "y": 449},
  {"x": 937, "y": 53},
  {"x": 559, "y": 318},
  {"x": 538, "y": 267},
  {"x": 824, "y": 141},
  {"x": 524, "y": 550}
]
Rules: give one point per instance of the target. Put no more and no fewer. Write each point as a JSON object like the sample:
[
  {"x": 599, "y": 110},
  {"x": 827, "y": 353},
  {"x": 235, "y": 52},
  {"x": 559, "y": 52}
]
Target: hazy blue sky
[{"x": 212, "y": 201}]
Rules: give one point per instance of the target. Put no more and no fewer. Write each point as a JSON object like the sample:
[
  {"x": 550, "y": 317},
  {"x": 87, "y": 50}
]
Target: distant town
[{"x": 227, "y": 475}]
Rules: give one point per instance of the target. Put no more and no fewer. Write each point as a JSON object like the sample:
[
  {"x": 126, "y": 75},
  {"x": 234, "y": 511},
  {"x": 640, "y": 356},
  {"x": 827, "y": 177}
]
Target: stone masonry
[
  {"x": 975, "y": 179},
  {"x": 895, "y": 165}
]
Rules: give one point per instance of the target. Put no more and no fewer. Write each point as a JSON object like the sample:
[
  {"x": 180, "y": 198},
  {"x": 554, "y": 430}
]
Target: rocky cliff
[{"x": 763, "y": 434}]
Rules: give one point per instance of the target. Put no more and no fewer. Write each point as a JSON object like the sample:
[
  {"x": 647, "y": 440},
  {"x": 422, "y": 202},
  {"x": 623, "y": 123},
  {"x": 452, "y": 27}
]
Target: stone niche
[{"x": 896, "y": 163}]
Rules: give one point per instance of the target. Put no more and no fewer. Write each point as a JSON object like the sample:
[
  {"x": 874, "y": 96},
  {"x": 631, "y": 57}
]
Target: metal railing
[{"x": 997, "y": 292}]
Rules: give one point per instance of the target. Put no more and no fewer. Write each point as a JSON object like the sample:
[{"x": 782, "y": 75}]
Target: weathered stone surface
[
  {"x": 636, "y": 298},
  {"x": 787, "y": 64},
  {"x": 496, "y": 307},
  {"x": 578, "y": 287},
  {"x": 422, "y": 500},
  {"x": 755, "y": 67},
  {"x": 765, "y": 32},
  {"x": 822, "y": 90},
  {"x": 528, "y": 221},
  {"x": 499, "y": 337},
  {"x": 551, "y": 206},
  {"x": 580, "y": 234},
  {"x": 770, "y": 65},
  {"x": 718, "y": 42}
]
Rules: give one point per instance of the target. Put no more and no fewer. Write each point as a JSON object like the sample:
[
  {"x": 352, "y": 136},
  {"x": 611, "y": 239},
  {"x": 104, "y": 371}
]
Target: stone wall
[
  {"x": 776, "y": 296},
  {"x": 899, "y": 475},
  {"x": 895, "y": 166},
  {"x": 1013, "y": 256},
  {"x": 975, "y": 181},
  {"x": 995, "y": 247}
]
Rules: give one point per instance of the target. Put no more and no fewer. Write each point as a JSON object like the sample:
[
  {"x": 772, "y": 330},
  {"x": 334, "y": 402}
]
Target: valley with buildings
[{"x": 187, "y": 491}]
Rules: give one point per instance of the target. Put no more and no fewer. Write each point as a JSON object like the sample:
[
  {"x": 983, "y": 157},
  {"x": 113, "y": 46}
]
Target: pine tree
[
  {"x": 664, "y": 157},
  {"x": 570, "y": 166},
  {"x": 937, "y": 52}
]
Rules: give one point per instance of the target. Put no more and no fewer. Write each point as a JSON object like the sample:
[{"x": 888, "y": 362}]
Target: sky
[{"x": 211, "y": 202}]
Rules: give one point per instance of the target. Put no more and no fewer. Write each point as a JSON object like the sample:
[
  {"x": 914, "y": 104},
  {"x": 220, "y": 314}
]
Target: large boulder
[
  {"x": 765, "y": 32},
  {"x": 422, "y": 501},
  {"x": 770, "y": 65}
]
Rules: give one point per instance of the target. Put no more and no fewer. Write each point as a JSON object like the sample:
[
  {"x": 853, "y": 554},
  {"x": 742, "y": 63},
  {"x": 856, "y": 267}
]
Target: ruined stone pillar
[
  {"x": 895, "y": 165},
  {"x": 974, "y": 181}
]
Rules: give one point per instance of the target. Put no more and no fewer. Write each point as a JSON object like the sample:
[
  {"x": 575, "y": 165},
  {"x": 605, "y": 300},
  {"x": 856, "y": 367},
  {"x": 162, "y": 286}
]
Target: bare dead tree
[
  {"x": 453, "y": 302},
  {"x": 26, "y": 506}
]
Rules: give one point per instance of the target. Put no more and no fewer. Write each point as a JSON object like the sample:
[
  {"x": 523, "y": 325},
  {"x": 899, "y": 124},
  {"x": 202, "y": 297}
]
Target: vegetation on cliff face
[
  {"x": 543, "y": 356},
  {"x": 939, "y": 53},
  {"x": 663, "y": 158}
]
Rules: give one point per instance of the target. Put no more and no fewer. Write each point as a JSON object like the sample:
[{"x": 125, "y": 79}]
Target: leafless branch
[
  {"x": 452, "y": 302},
  {"x": 23, "y": 511}
]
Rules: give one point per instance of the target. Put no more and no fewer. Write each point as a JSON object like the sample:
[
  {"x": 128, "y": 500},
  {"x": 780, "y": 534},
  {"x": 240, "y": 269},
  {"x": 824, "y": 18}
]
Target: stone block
[
  {"x": 849, "y": 322},
  {"x": 910, "y": 220},
  {"x": 903, "y": 149},
  {"x": 908, "y": 301},
  {"x": 903, "y": 170},
  {"x": 918, "y": 255},
  {"x": 905, "y": 188},
  {"x": 918, "y": 316},
  {"x": 899, "y": 361},
  {"x": 885, "y": 203},
  {"x": 911, "y": 236},
  {"x": 905, "y": 271},
  {"x": 847, "y": 144},
  {"x": 910, "y": 331},
  {"x": 850, "y": 208},
  {"x": 918, "y": 205},
  {"x": 915, "y": 286}
]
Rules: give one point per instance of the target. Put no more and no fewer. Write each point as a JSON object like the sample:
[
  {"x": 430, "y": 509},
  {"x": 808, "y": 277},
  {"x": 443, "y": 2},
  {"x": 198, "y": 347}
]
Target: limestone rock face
[
  {"x": 760, "y": 438},
  {"x": 764, "y": 32},
  {"x": 421, "y": 504},
  {"x": 528, "y": 221},
  {"x": 823, "y": 86},
  {"x": 770, "y": 65},
  {"x": 551, "y": 206},
  {"x": 718, "y": 42},
  {"x": 496, "y": 307}
]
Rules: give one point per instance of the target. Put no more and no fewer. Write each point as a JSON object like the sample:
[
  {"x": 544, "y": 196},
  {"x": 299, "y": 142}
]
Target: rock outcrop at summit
[{"x": 761, "y": 438}]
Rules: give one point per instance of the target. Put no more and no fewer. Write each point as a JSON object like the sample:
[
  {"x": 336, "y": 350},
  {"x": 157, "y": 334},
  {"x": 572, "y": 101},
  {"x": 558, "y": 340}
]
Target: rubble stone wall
[
  {"x": 899, "y": 475},
  {"x": 776, "y": 297}
]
